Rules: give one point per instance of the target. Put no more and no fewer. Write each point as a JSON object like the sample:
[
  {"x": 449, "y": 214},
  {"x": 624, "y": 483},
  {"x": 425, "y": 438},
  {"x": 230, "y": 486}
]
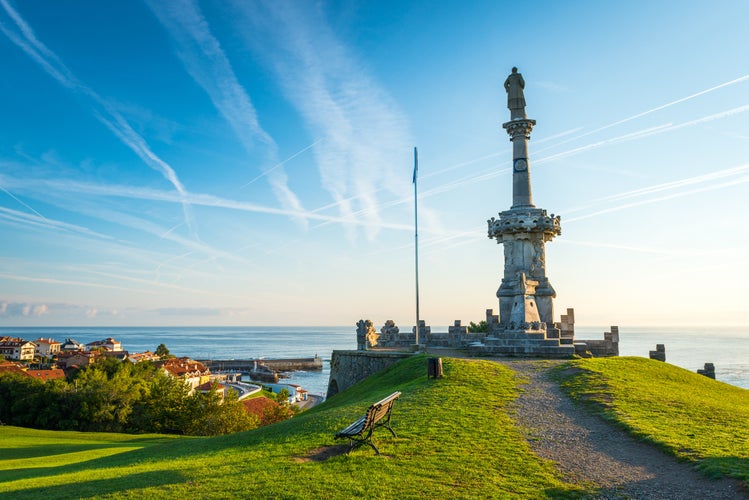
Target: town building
[
  {"x": 76, "y": 359},
  {"x": 10, "y": 367},
  {"x": 18, "y": 349},
  {"x": 212, "y": 385},
  {"x": 108, "y": 344},
  {"x": 47, "y": 348},
  {"x": 19, "y": 369},
  {"x": 192, "y": 372},
  {"x": 44, "y": 375},
  {"x": 137, "y": 357},
  {"x": 71, "y": 345},
  {"x": 296, "y": 393}
]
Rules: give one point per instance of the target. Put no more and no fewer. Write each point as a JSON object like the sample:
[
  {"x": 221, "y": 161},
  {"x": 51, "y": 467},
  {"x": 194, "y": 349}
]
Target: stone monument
[
  {"x": 525, "y": 324},
  {"x": 526, "y": 297}
]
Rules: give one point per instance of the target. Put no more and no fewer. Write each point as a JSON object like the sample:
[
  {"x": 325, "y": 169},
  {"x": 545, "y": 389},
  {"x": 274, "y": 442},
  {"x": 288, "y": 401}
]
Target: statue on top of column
[{"x": 514, "y": 86}]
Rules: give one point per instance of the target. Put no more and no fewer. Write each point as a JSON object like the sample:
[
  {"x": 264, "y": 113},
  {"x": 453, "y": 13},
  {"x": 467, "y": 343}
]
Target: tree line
[{"x": 120, "y": 396}]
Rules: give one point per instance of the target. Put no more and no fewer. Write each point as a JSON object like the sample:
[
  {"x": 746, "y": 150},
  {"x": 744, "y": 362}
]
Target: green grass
[
  {"x": 455, "y": 439},
  {"x": 688, "y": 415}
]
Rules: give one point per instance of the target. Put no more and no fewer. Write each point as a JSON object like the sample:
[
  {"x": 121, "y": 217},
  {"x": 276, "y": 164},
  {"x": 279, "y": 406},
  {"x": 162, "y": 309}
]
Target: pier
[{"x": 278, "y": 365}]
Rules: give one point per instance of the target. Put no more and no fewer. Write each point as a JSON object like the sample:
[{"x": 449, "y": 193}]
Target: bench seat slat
[
  {"x": 369, "y": 422},
  {"x": 354, "y": 429}
]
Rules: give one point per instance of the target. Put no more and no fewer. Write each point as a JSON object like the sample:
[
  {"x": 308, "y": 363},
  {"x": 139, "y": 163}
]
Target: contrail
[
  {"x": 728, "y": 172},
  {"x": 658, "y": 108},
  {"x": 679, "y": 194},
  {"x": 280, "y": 164},
  {"x": 24, "y": 204},
  {"x": 495, "y": 155},
  {"x": 629, "y": 248},
  {"x": 105, "y": 114}
]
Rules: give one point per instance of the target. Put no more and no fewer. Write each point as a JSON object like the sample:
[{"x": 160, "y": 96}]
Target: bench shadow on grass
[
  {"x": 96, "y": 487},
  {"x": 121, "y": 459},
  {"x": 49, "y": 450}
]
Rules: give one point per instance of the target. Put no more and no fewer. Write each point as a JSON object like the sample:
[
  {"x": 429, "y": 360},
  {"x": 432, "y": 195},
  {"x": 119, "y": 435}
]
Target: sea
[{"x": 689, "y": 348}]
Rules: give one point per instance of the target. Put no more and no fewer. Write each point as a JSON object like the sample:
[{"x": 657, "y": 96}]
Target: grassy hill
[
  {"x": 455, "y": 439},
  {"x": 688, "y": 415}
]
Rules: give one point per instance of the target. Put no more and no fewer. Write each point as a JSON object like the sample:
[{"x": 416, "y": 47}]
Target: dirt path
[{"x": 586, "y": 449}]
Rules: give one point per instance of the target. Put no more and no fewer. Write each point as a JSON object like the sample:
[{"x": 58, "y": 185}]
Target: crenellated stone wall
[
  {"x": 391, "y": 336},
  {"x": 708, "y": 371},
  {"x": 609, "y": 346},
  {"x": 660, "y": 352}
]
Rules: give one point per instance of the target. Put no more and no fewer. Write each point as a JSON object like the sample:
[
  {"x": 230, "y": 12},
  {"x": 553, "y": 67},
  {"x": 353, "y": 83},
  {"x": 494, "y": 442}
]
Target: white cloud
[
  {"x": 365, "y": 139},
  {"x": 207, "y": 200},
  {"x": 207, "y": 64},
  {"x": 105, "y": 112},
  {"x": 39, "y": 310}
]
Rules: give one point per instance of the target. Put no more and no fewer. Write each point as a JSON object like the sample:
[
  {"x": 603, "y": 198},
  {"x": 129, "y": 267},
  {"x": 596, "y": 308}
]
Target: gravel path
[{"x": 586, "y": 449}]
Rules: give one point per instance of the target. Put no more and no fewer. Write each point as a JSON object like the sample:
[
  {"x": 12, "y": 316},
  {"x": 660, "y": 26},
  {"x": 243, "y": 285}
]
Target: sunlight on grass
[
  {"x": 455, "y": 439},
  {"x": 63, "y": 458},
  {"x": 688, "y": 415}
]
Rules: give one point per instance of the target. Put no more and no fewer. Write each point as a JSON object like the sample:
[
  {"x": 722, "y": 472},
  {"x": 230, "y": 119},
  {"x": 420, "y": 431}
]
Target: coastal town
[{"x": 47, "y": 359}]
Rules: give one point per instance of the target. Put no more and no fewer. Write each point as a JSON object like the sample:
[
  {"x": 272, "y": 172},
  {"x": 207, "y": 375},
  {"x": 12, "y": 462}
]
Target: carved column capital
[{"x": 519, "y": 128}]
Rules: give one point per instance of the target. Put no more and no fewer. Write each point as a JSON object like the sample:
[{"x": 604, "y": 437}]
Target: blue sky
[{"x": 250, "y": 163}]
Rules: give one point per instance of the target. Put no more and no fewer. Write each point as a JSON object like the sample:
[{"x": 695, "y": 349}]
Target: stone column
[{"x": 519, "y": 131}]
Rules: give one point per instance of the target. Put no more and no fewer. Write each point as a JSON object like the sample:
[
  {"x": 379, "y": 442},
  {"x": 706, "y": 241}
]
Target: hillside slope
[
  {"x": 689, "y": 416},
  {"x": 455, "y": 438}
]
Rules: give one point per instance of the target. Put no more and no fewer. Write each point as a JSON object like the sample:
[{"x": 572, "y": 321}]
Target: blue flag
[{"x": 416, "y": 164}]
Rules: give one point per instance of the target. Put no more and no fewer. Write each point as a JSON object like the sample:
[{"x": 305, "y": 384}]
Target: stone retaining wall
[{"x": 349, "y": 367}]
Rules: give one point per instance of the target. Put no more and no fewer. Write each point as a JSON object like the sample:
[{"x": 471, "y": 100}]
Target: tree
[
  {"x": 162, "y": 351},
  {"x": 210, "y": 415},
  {"x": 273, "y": 413},
  {"x": 481, "y": 327},
  {"x": 113, "y": 396},
  {"x": 106, "y": 402},
  {"x": 164, "y": 407},
  {"x": 283, "y": 396}
]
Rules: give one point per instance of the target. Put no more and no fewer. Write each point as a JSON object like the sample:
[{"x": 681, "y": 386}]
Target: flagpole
[{"x": 416, "y": 240}]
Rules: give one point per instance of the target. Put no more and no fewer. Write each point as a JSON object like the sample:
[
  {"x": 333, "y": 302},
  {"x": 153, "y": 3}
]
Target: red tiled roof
[
  {"x": 182, "y": 366},
  {"x": 212, "y": 384},
  {"x": 13, "y": 341},
  {"x": 46, "y": 374},
  {"x": 46, "y": 341},
  {"x": 7, "y": 367}
]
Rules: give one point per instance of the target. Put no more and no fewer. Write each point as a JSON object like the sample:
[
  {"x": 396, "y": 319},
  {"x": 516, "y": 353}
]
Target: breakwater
[{"x": 278, "y": 365}]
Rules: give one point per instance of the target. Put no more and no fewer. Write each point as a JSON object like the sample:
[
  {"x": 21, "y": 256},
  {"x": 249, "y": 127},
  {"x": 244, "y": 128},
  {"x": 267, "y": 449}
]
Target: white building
[
  {"x": 47, "y": 348},
  {"x": 17, "y": 349},
  {"x": 108, "y": 344}
]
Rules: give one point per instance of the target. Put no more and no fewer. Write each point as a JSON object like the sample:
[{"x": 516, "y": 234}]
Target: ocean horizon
[{"x": 689, "y": 348}]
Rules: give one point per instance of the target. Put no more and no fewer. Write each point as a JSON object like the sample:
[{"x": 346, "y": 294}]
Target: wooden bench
[{"x": 378, "y": 415}]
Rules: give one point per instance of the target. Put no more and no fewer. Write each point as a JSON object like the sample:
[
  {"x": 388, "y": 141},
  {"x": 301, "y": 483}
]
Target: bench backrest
[{"x": 380, "y": 409}]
